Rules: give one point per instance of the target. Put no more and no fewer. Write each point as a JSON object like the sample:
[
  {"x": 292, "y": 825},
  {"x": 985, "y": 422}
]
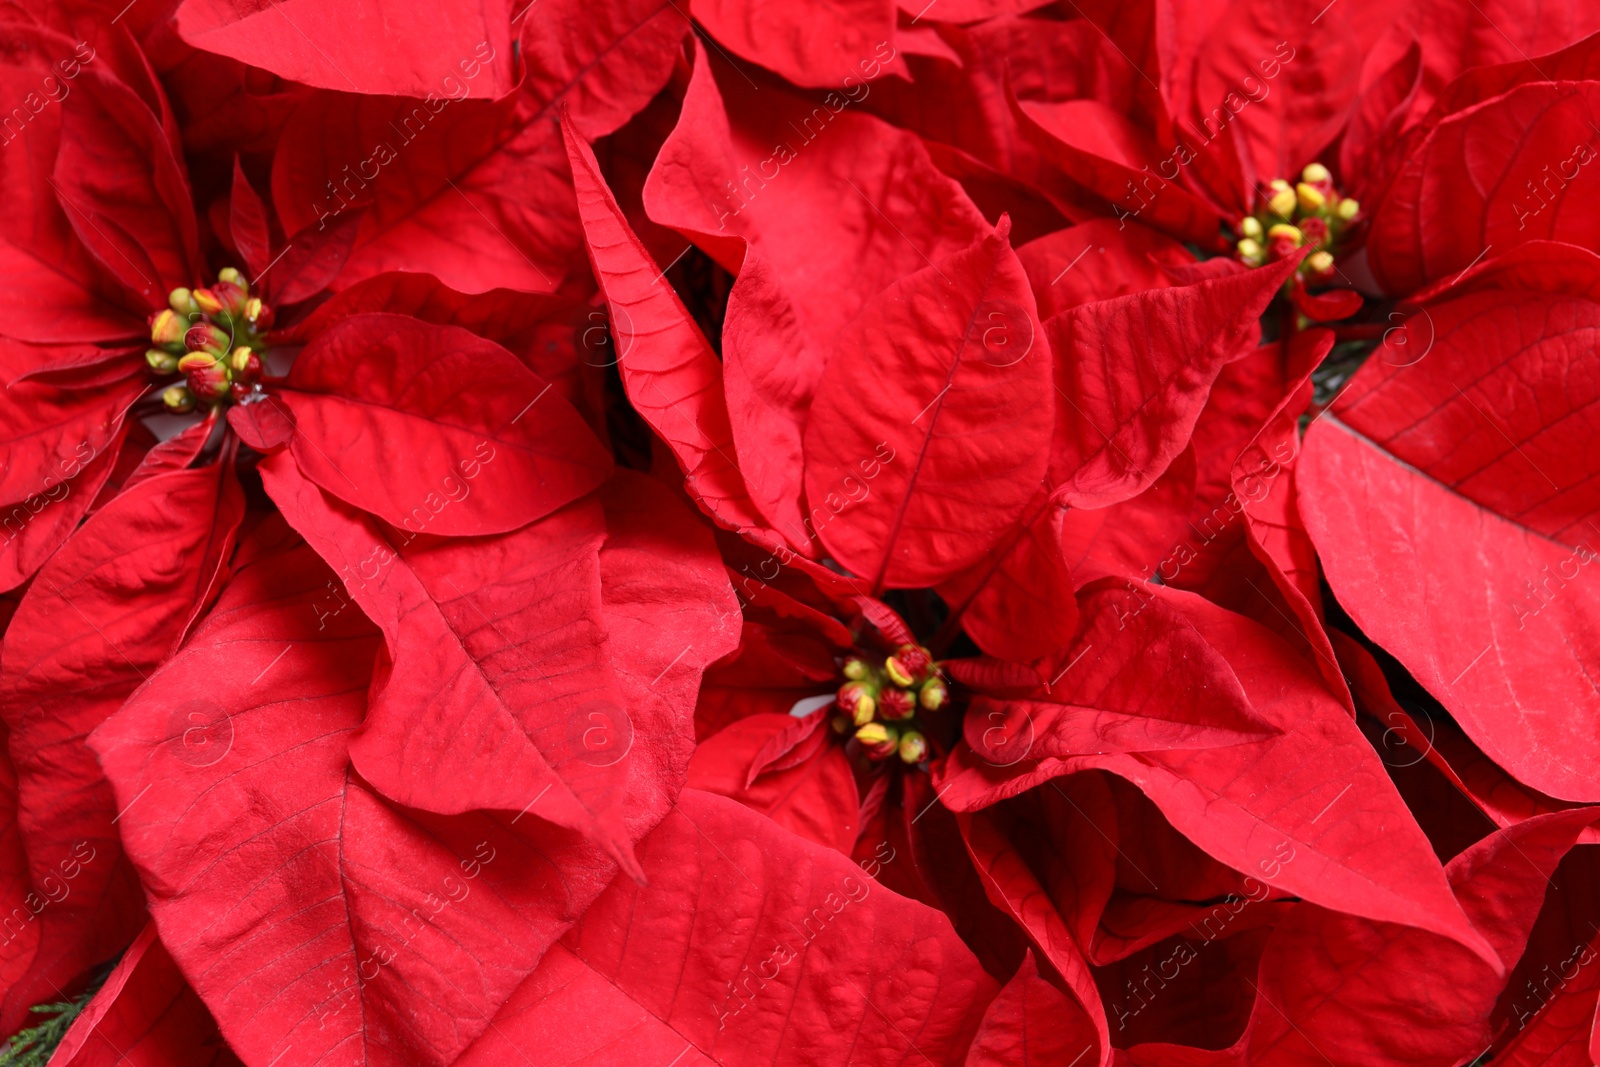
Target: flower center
[
  {"x": 214, "y": 337},
  {"x": 1308, "y": 213},
  {"x": 878, "y": 704}
]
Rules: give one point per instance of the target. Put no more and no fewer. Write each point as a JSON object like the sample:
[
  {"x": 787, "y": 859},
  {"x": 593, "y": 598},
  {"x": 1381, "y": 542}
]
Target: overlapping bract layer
[{"x": 644, "y": 384}]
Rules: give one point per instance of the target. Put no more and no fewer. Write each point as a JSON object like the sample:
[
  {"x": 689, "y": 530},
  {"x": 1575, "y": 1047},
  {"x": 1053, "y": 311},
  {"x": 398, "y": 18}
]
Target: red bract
[
  {"x": 462, "y": 186},
  {"x": 1442, "y": 468},
  {"x": 976, "y": 532},
  {"x": 98, "y": 619},
  {"x": 145, "y": 1013},
  {"x": 1526, "y": 189},
  {"x": 782, "y": 952}
]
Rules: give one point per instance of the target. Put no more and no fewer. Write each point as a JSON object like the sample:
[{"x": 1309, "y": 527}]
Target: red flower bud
[
  {"x": 207, "y": 338},
  {"x": 856, "y": 699},
  {"x": 895, "y": 704},
  {"x": 1314, "y": 230},
  {"x": 209, "y": 384},
  {"x": 908, "y": 664},
  {"x": 232, "y": 297},
  {"x": 245, "y": 364},
  {"x": 240, "y": 390},
  {"x": 207, "y": 300},
  {"x": 877, "y": 740}
]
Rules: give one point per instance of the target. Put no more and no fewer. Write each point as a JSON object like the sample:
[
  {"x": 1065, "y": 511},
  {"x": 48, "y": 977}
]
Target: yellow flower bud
[
  {"x": 1283, "y": 229},
  {"x": 1348, "y": 209},
  {"x": 879, "y": 740},
  {"x": 1251, "y": 227},
  {"x": 1320, "y": 262},
  {"x": 196, "y": 361},
  {"x": 228, "y": 274},
  {"x": 1249, "y": 250},
  {"x": 1310, "y": 198},
  {"x": 168, "y": 328},
  {"x": 207, "y": 300},
  {"x": 913, "y": 747},
  {"x": 1316, "y": 172},
  {"x": 1283, "y": 202},
  {"x": 177, "y": 398}
]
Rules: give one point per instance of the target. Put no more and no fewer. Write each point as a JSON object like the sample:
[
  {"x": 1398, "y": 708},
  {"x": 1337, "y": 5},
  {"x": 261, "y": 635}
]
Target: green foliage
[{"x": 34, "y": 1046}]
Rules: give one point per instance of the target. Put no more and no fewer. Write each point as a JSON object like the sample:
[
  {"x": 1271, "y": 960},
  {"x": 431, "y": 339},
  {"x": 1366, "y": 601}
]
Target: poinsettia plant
[{"x": 981, "y": 532}]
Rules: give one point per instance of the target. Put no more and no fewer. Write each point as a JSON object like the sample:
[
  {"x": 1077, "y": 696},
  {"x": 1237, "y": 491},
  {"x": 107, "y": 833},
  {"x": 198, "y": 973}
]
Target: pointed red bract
[
  {"x": 98, "y": 619},
  {"x": 417, "y": 413},
  {"x": 362, "y": 46},
  {"x": 829, "y": 184},
  {"x": 943, "y": 380},
  {"x": 832, "y": 44},
  {"x": 145, "y": 1016},
  {"x": 1133, "y": 373},
  {"x": 1300, "y": 809},
  {"x": 815, "y": 798},
  {"x": 1027, "y": 1025},
  {"x": 749, "y": 946},
  {"x": 1019, "y": 603},
  {"x": 468, "y": 716},
  {"x": 671, "y": 375},
  {"x": 1388, "y": 994},
  {"x": 1514, "y": 168},
  {"x": 1451, "y": 494},
  {"x": 124, "y": 192},
  {"x": 307, "y": 911}
]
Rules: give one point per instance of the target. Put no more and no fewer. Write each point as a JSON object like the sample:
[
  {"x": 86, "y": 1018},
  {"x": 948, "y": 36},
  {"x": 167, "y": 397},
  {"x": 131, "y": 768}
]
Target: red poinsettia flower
[
  {"x": 112, "y": 291},
  {"x": 416, "y": 412},
  {"x": 820, "y": 534}
]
